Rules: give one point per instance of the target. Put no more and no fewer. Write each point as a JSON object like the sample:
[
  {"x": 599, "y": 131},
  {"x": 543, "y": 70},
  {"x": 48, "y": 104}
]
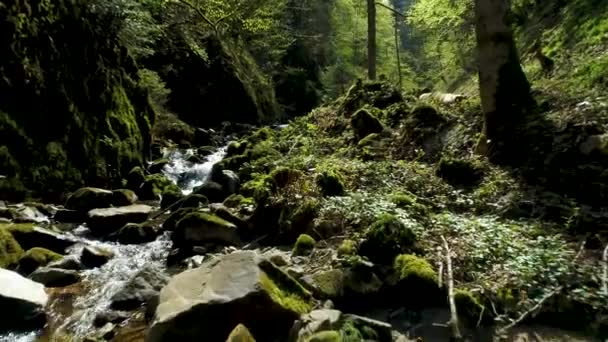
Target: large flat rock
[
  {"x": 25, "y": 300},
  {"x": 108, "y": 220}
]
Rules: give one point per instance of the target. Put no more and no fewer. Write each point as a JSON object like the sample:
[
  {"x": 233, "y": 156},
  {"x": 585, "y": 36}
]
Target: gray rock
[
  {"x": 199, "y": 228},
  {"x": 383, "y": 330},
  {"x": 55, "y": 277},
  {"x": 134, "y": 233},
  {"x": 85, "y": 199},
  {"x": 69, "y": 216},
  {"x": 69, "y": 262},
  {"x": 24, "y": 298},
  {"x": 92, "y": 257},
  {"x": 314, "y": 322},
  {"x": 108, "y": 220},
  {"x": 145, "y": 285},
  {"x": 110, "y": 317},
  {"x": 25, "y": 214},
  {"x": 42, "y": 237},
  {"x": 230, "y": 182},
  {"x": 206, "y": 303}
]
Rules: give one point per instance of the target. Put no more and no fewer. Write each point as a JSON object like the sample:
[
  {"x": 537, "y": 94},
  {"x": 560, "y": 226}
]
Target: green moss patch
[
  {"x": 386, "y": 238},
  {"x": 36, "y": 257},
  {"x": 10, "y": 250},
  {"x": 284, "y": 290},
  {"x": 304, "y": 245}
]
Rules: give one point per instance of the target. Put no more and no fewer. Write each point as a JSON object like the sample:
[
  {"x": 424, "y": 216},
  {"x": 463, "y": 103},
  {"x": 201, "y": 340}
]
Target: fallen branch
[
  {"x": 605, "y": 277},
  {"x": 456, "y": 335}
]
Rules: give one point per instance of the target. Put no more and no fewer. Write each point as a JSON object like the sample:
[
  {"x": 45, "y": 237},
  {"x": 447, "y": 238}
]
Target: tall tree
[
  {"x": 371, "y": 39},
  {"x": 503, "y": 87}
]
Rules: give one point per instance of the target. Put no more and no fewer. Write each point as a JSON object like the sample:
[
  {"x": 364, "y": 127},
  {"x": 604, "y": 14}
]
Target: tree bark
[
  {"x": 503, "y": 87},
  {"x": 371, "y": 39}
]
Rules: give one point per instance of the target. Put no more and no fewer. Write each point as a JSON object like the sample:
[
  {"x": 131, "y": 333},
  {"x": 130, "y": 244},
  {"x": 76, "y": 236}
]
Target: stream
[{"x": 75, "y": 316}]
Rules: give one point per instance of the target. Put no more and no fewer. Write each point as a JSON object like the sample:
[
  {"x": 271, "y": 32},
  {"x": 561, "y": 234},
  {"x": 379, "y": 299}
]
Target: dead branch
[
  {"x": 605, "y": 277},
  {"x": 456, "y": 335},
  {"x": 440, "y": 273}
]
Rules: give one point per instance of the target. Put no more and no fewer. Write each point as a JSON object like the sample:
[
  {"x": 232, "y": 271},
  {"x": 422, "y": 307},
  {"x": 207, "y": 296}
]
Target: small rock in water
[
  {"x": 55, "y": 277},
  {"x": 145, "y": 285},
  {"x": 110, "y": 317},
  {"x": 24, "y": 298},
  {"x": 93, "y": 257},
  {"x": 134, "y": 233},
  {"x": 69, "y": 262}
]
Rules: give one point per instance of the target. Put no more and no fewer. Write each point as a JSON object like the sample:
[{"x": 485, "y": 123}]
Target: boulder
[
  {"x": 108, "y": 220},
  {"x": 69, "y": 216},
  {"x": 10, "y": 250},
  {"x": 213, "y": 191},
  {"x": 69, "y": 262},
  {"x": 85, "y": 199},
  {"x": 314, "y": 322},
  {"x": 365, "y": 123},
  {"x": 123, "y": 197},
  {"x": 36, "y": 257},
  {"x": 26, "y": 214},
  {"x": 92, "y": 257},
  {"x": 135, "y": 178},
  {"x": 206, "y": 303},
  {"x": 223, "y": 212},
  {"x": 229, "y": 181},
  {"x": 26, "y": 300},
  {"x": 169, "y": 198},
  {"x": 30, "y": 236},
  {"x": 171, "y": 221},
  {"x": 55, "y": 277},
  {"x": 194, "y": 201},
  {"x": 240, "y": 334},
  {"x": 154, "y": 186},
  {"x": 198, "y": 228},
  {"x": 139, "y": 290},
  {"x": 133, "y": 233},
  {"x": 157, "y": 165}
]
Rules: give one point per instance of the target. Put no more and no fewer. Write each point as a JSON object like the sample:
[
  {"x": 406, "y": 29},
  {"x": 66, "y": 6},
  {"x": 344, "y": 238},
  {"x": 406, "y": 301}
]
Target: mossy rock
[
  {"x": 171, "y": 221},
  {"x": 133, "y": 233},
  {"x": 330, "y": 183},
  {"x": 238, "y": 200},
  {"x": 259, "y": 188},
  {"x": 155, "y": 186},
  {"x": 260, "y": 135},
  {"x": 417, "y": 280},
  {"x": 199, "y": 228},
  {"x": 212, "y": 191},
  {"x": 328, "y": 284},
  {"x": 236, "y": 148},
  {"x": 469, "y": 308},
  {"x": 135, "y": 178},
  {"x": 365, "y": 123},
  {"x": 36, "y": 257},
  {"x": 240, "y": 334},
  {"x": 85, "y": 199},
  {"x": 283, "y": 176},
  {"x": 194, "y": 201},
  {"x": 304, "y": 245},
  {"x": 169, "y": 198},
  {"x": 347, "y": 247},
  {"x": 426, "y": 116},
  {"x": 124, "y": 197},
  {"x": 157, "y": 165},
  {"x": 326, "y": 336},
  {"x": 460, "y": 172},
  {"x": 386, "y": 238},
  {"x": 10, "y": 250}
]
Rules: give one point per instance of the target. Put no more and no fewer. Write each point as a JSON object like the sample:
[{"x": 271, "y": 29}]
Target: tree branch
[
  {"x": 200, "y": 13},
  {"x": 456, "y": 335},
  {"x": 391, "y": 9}
]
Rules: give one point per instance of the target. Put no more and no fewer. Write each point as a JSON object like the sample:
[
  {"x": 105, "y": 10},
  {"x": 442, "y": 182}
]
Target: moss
[
  {"x": 260, "y": 188},
  {"x": 10, "y": 250},
  {"x": 237, "y": 200},
  {"x": 403, "y": 199},
  {"x": 460, "y": 172},
  {"x": 283, "y": 176},
  {"x": 364, "y": 124},
  {"x": 157, "y": 165},
  {"x": 417, "y": 280},
  {"x": 156, "y": 185},
  {"x": 326, "y": 336},
  {"x": 304, "y": 245},
  {"x": 85, "y": 199},
  {"x": 18, "y": 227},
  {"x": 123, "y": 197},
  {"x": 194, "y": 201},
  {"x": 169, "y": 198},
  {"x": 36, "y": 257},
  {"x": 468, "y": 306},
  {"x": 300, "y": 219},
  {"x": 329, "y": 284},
  {"x": 171, "y": 221},
  {"x": 240, "y": 334},
  {"x": 137, "y": 233},
  {"x": 261, "y": 134},
  {"x": 347, "y": 247},
  {"x": 330, "y": 183},
  {"x": 236, "y": 148},
  {"x": 284, "y": 290},
  {"x": 386, "y": 238}
]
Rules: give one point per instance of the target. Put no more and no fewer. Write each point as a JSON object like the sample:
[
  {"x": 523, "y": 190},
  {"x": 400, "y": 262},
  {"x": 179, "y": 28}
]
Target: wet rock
[
  {"x": 55, "y": 277},
  {"x": 69, "y": 262},
  {"x": 314, "y": 322},
  {"x": 133, "y": 233},
  {"x": 145, "y": 285},
  {"x": 135, "y": 178},
  {"x": 4, "y": 220},
  {"x": 170, "y": 198},
  {"x": 30, "y": 236},
  {"x": 111, "y": 316},
  {"x": 365, "y": 123},
  {"x": 194, "y": 159},
  {"x": 240, "y": 334},
  {"x": 85, "y": 199},
  {"x": 171, "y": 221},
  {"x": 213, "y": 191},
  {"x": 198, "y": 228},
  {"x": 229, "y": 181},
  {"x": 278, "y": 258},
  {"x": 93, "y": 257},
  {"x": 157, "y": 165},
  {"x": 69, "y": 216},
  {"x": 154, "y": 186},
  {"x": 36, "y": 257},
  {"x": 195, "y": 201},
  {"x": 108, "y": 220},
  {"x": 25, "y": 214},
  {"x": 223, "y": 212},
  {"x": 381, "y": 331},
  {"x": 26, "y": 300},
  {"x": 239, "y": 288},
  {"x": 123, "y": 197}
]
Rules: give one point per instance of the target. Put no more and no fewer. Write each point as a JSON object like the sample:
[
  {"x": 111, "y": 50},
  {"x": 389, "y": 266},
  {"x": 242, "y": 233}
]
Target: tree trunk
[
  {"x": 371, "y": 39},
  {"x": 503, "y": 87}
]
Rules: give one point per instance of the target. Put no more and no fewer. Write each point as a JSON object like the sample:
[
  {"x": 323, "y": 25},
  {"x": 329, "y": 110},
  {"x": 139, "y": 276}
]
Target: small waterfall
[{"x": 188, "y": 175}]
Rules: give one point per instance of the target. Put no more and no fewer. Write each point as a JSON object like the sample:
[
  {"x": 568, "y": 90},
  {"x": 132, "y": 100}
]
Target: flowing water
[{"x": 94, "y": 293}]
